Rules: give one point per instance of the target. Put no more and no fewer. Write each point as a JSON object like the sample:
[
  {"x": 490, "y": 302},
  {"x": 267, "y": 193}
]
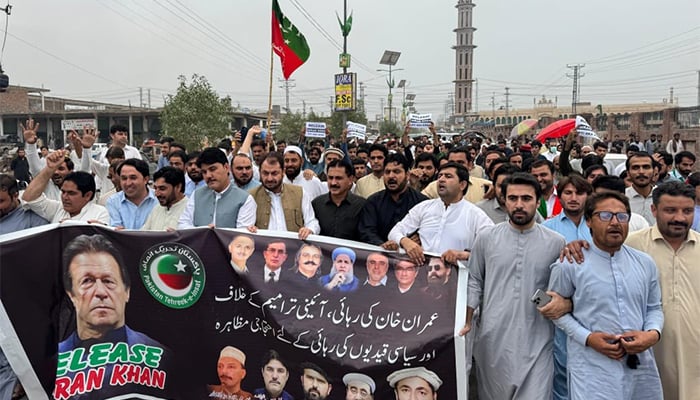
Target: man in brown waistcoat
[{"x": 282, "y": 206}]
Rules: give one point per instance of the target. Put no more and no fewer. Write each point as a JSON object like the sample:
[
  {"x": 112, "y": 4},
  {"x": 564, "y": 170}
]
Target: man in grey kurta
[{"x": 509, "y": 262}]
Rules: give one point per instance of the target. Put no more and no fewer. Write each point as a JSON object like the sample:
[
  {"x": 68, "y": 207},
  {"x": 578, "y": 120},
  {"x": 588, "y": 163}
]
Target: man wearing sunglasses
[{"x": 617, "y": 312}]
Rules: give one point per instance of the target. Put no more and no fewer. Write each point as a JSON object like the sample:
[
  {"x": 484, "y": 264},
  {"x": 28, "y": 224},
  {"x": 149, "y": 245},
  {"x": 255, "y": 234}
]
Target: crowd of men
[{"x": 506, "y": 212}]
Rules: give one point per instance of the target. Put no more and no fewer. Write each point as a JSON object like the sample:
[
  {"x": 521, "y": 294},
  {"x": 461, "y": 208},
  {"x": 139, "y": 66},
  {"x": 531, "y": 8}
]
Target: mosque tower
[{"x": 464, "y": 58}]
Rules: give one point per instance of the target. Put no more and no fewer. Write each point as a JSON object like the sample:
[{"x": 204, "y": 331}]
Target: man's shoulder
[
  {"x": 323, "y": 198},
  {"x": 134, "y": 337}
]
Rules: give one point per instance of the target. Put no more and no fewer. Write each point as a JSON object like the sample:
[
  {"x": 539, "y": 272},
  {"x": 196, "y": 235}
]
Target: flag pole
[{"x": 269, "y": 102}]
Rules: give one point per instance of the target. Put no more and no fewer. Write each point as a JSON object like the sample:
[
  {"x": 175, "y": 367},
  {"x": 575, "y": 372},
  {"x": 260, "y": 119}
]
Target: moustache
[
  {"x": 310, "y": 263},
  {"x": 678, "y": 223},
  {"x": 392, "y": 182}
]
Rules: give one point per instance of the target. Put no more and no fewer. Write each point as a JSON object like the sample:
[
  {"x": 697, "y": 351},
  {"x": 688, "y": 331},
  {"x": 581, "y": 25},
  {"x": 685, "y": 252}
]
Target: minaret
[{"x": 464, "y": 57}]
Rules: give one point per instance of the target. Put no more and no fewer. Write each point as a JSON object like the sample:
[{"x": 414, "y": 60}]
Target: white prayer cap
[
  {"x": 294, "y": 149},
  {"x": 362, "y": 378},
  {"x": 232, "y": 352},
  {"x": 420, "y": 372}
]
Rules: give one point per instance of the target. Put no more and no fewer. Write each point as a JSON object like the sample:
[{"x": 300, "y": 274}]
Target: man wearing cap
[
  {"x": 315, "y": 382},
  {"x": 341, "y": 278},
  {"x": 293, "y": 161},
  {"x": 414, "y": 383},
  {"x": 359, "y": 386},
  {"x": 275, "y": 373},
  {"x": 231, "y": 371}
]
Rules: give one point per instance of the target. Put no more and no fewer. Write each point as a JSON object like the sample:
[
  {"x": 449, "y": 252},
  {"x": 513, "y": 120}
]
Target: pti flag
[{"x": 289, "y": 44}]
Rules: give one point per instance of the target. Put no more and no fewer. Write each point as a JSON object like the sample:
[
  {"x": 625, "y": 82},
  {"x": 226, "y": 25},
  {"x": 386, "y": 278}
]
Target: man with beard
[
  {"x": 129, "y": 208},
  {"x": 341, "y": 278},
  {"x": 315, "y": 382},
  {"x": 314, "y": 162},
  {"x": 476, "y": 187},
  {"x": 77, "y": 193},
  {"x": 13, "y": 217},
  {"x": 447, "y": 225},
  {"x": 424, "y": 172},
  {"x": 193, "y": 177},
  {"x": 52, "y": 189},
  {"x": 665, "y": 160},
  {"x": 177, "y": 159},
  {"x": 169, "y": 185},
  {"x": 231, "y": 370},
  {"x": 339, "y": 211},
  {"x": 438, "y": 277},
  {"x": 220, "y": 203},
  {"x": 573, "y": 190},
  {"x": 373, "y": 182},
  {"x": 386, "y": 208},
  {"x": 377, "y": 267},
  {"x": 507, "y": 360},
  {"x": 640, "y": 169},
  {"x": 242, "y": 172},
  {"x": 164, "y": 151},
  {"x": 549, "y": 205},
  {"x": 293, "y": 161},
  {"x": 275, "y": 373},
  {"x": 684, "y": 161},
  {"x": 281, "y": 206},
  {"x": 307, "y": 266},
  {"x": 414, "y": 383},
  {"x": 494, "y": 204},
  {"x": 617, "y": 314}
]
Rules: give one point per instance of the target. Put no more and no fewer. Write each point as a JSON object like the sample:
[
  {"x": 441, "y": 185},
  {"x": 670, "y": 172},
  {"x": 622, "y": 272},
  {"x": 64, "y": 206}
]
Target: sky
[{"x": 105, "y": 50}]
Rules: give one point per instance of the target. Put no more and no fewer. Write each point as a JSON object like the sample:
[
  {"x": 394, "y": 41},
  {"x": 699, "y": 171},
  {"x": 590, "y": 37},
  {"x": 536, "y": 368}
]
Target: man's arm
[
  {"x": 636, "y": 342},
  {"x": 246, "y": 214},
  {"x": 475, "y": 287},
  {"x": 115, "y": 217},
  {"x": 368, "y": 224},
  {"x": 409, "y": 224},
  {"x": 30, "y": 150},
  {"x": 311, "y": 224},
  {"x": 187, "y": 217},
  {"x": 38, "y": 184}
]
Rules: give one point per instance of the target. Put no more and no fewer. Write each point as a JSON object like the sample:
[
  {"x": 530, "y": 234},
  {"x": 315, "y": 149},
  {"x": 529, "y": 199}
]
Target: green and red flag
[{"x": 289, "y": 44}]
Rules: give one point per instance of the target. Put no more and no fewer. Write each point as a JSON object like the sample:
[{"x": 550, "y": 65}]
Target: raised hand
[{"x": 29, "y": 131}]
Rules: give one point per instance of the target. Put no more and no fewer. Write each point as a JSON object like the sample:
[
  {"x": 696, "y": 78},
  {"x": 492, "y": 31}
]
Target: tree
[
  {"x": 290, "y": 127},
  {"x": 389, "y": 128},
  {"x": 196, "y": 115}
]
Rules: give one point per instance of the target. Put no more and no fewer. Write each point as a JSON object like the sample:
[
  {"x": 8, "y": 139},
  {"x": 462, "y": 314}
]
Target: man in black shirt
[
  {"x": 386, "y": 208},
  {"x": 338, "y": 211}
]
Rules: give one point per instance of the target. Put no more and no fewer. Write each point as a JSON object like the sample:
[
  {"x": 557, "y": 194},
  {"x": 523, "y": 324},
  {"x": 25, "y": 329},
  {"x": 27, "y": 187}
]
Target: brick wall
[{"x": 14, "y": 100}]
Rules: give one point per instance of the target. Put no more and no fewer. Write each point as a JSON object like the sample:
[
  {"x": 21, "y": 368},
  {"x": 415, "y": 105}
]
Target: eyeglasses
[
  {"x": 436, "y": 267},
  {"x": 606, "y": 216}
]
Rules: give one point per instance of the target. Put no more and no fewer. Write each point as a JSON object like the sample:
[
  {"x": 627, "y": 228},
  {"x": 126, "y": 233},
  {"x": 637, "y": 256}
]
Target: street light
[{"x": 390, "y": 58}]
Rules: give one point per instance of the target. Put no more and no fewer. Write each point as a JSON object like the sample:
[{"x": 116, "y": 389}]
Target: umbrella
[
  {"x": 556, "y": 129},
  {"x": 523, "y": 127}
]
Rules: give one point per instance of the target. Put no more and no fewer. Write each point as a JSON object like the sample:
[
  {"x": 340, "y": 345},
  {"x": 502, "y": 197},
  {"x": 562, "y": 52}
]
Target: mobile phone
[{"x": 540, "y": 298}]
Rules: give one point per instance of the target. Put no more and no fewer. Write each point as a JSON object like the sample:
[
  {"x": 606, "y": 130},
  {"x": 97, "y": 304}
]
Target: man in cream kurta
[{"x": 676, "y": 251}]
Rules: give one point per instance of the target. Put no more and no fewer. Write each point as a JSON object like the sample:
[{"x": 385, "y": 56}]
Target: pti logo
[{"x": 173, "y": 274}]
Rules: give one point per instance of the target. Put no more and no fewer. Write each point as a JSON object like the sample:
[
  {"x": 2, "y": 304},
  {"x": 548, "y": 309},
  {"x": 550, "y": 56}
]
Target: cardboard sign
[
  {"x": 420, "y": 120},
  {"x": 77, "y": 124},
  {"x": 356, "y": 130},
  {"x": 315, "y": 129}
]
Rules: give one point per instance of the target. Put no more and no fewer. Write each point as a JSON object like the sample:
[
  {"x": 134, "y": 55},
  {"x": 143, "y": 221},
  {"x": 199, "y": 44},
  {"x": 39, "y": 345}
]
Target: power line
[{"x": 602, "y": 59}]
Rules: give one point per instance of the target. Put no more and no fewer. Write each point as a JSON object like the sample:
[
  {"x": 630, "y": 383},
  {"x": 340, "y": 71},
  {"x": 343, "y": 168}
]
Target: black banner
[{"x": 94, "y": 313}]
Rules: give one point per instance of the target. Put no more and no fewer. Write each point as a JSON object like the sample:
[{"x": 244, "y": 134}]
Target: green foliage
[
  {"x": 290, "y": 127},
  {"x": 196, "y": 115},
  {"x": 386, "y": 127},
  {"x": 336, "y": 121}
]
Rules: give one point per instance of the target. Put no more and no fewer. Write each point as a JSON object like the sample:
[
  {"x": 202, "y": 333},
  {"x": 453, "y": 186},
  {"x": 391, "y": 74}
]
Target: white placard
[
  {"x": 420, "y": 120},
  {"x": 356, "y": 130},
  {"x": 585, "y": 130},
  {"x": 315, "y": 129},
  {"x": 77, "y": 124}
]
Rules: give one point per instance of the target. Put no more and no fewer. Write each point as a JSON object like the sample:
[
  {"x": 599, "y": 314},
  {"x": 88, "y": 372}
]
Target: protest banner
[
  {"x": 77, "y": 124},
  {"x": 356, "y": 130},
  {"x": 584, "y": 129},
  {"x": 315, "y": 130},
  {"x": 99, "y": 314},
  {"x": 420, "y": 120}
]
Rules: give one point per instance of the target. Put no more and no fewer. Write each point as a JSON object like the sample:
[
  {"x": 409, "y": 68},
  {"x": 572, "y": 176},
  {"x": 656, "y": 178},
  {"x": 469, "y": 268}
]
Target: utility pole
[
  {"x": 362, "y": 97},
  {"x": 303, "y": 102},
  {"x": 577, "y": 75},
  {"x": 331, "y": 104},
  {"x": 149, "y": 98},
  {"x": 699, "y": 88},
  {"x": 670, "y": 98},
  {"x": 493, "y": 108},
  {"x": 286, "y": 85},
  {"x": 507, "y": 101},
  {"x": 381, "y": 99},
  {"x": 476, "y": 96},
  {"x": 140, "y": 97}
]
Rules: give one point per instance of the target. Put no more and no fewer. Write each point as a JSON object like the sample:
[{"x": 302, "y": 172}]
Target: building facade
[{"x": 464, "y": 58}]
